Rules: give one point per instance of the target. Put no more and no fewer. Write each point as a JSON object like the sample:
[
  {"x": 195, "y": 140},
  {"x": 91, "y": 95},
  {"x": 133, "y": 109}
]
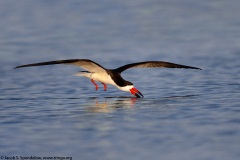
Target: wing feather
[
  {"x": 86, "y": 64},
  {"x": 153, "y": 64}
]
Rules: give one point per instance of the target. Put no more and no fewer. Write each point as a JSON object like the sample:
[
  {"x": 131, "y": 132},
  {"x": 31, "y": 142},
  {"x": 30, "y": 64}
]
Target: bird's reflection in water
[{"x": 110, "y": 104}]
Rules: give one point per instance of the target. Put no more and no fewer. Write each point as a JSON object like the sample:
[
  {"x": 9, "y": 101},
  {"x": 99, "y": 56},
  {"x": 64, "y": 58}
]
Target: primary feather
[
  {"x": 153, "y": 64},
  {"x": 83, "y": 63}
]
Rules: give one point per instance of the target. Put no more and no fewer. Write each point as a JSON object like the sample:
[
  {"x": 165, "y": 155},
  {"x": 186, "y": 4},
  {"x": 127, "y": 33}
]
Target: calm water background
[{"x": 185, "y": 115}]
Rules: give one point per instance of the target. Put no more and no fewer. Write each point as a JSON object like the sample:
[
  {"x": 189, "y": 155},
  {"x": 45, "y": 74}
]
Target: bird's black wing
[
  {"x": 153, "y": 64},
  {"x": 86, "y": 64}
]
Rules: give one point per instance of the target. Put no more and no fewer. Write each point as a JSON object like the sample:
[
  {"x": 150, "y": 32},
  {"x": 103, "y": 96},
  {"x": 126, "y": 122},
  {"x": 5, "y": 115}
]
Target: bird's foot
[
  {"x": 105, "y": 86},
  {"x": 94, "y": 84}
]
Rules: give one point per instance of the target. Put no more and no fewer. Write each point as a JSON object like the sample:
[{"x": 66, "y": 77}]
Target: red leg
[
  {"x": 105, "y": 86},
  {"x": 94, "y": 84}
]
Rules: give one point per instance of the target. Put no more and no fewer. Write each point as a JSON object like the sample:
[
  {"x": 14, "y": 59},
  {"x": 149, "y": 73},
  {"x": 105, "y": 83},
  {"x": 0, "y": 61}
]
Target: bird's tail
[{"x": 83, "y": 73}]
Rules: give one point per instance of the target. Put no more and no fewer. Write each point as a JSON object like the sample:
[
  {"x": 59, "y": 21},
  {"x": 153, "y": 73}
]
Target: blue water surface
[{"x": 185, "y": 114}]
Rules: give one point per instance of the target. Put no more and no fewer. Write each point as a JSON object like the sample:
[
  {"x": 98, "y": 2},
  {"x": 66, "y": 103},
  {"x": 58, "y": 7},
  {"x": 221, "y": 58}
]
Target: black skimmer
[{"x": 96, "y": 72}]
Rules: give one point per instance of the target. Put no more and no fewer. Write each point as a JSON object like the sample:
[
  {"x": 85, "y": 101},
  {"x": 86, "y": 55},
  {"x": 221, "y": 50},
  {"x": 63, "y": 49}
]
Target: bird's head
[{"x": 129, "y": 87}]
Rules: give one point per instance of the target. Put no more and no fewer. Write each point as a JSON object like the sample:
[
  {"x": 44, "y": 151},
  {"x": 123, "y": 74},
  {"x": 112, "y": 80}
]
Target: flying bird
[{"x": 97, "y": 73}]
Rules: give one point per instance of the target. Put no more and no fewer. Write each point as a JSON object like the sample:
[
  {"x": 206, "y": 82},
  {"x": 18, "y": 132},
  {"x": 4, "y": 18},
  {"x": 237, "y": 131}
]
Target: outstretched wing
[
  {"x": 153, "y": 64},
  {"x": 86, "y": 64}
]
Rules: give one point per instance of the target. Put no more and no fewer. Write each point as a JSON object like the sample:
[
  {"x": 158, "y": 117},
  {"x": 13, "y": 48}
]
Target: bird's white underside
[{"x": 104, "y": 78}]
